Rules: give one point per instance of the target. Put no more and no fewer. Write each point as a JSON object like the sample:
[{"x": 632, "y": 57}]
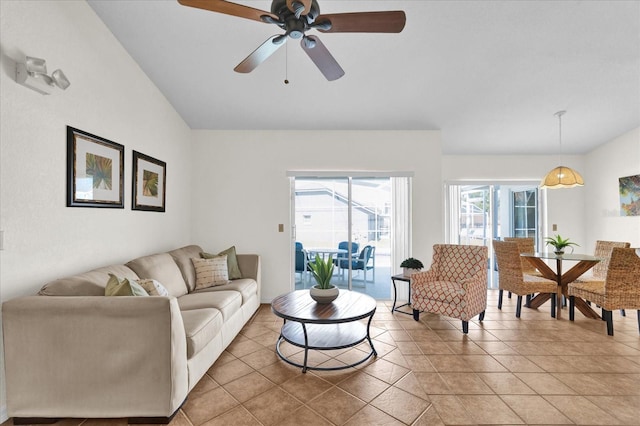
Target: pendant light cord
[{"x": 559, "y": 114}]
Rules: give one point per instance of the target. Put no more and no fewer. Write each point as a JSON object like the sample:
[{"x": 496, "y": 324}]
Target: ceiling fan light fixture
[
  {"x": 309, "y": 43},
  {"x": 561, "y": 176}
]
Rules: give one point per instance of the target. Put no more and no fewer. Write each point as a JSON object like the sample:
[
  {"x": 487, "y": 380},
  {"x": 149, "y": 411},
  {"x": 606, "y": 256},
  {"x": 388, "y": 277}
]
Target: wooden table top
[{"x": 299, "y": 306}]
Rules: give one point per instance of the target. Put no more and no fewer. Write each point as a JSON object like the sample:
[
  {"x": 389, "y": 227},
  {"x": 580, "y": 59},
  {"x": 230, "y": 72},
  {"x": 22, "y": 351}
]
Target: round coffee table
[{"x": 336, "y": 325}]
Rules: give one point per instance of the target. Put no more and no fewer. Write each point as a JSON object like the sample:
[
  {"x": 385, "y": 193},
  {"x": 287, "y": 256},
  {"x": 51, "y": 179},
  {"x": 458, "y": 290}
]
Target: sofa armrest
[
  {"x": 94, "y": 356},
  {"x": 250, "y": 266}
]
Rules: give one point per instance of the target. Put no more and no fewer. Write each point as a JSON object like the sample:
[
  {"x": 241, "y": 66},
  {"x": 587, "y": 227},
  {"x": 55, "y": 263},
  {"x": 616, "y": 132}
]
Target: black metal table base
[
  {"x": 395, "y": 308},
  {"x": 297, "y": 334}
]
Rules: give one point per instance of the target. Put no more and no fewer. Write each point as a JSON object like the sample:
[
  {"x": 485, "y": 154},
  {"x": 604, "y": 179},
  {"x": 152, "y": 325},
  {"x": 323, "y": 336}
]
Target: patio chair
[
  {"x": 619, "y": 290},
  {"x": 302, "y": 259},
  {"x": 362, "y": 262},
  {"x": 344, "y": 245},
  {"x": 455, "y": 285},
  {"x": 512, "y": 278}
]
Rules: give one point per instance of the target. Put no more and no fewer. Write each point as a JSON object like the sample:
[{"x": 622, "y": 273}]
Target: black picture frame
[
  {"x": 149, "y": 183},
  {"x": 95, "y": 171}
]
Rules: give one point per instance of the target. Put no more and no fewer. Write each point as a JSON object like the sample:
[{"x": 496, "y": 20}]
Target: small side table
[{"x": 405, "y": 279}]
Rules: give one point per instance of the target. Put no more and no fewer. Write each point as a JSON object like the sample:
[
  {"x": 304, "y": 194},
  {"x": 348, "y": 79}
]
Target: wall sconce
[{"x": 33, "y": 74}]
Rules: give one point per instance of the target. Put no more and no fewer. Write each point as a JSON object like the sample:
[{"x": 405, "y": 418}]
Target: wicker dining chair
[
  {"x": 454, "y": 286},
  {"x": 512, "y": 278},
  {"x": 525, "y": 245},
  {"x": 599, "y": 272},
  {"x": 619, "y": 290}
]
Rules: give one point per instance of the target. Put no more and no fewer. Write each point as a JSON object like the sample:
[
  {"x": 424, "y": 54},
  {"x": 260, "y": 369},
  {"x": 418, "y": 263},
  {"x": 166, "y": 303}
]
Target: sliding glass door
[
  {"x": 478, "y": 214},
  {"x": 351, "y": 219}
]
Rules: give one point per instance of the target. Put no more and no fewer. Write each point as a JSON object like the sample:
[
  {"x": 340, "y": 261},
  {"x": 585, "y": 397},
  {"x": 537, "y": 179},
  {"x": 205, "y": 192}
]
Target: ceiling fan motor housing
[{"x": 293, "y": 25}]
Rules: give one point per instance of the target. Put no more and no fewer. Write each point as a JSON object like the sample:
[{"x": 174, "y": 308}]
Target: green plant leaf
[{"x": 322, "y": 271}]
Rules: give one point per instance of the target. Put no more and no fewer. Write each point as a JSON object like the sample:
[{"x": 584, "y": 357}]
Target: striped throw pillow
[{"x": 211, "y": 272}]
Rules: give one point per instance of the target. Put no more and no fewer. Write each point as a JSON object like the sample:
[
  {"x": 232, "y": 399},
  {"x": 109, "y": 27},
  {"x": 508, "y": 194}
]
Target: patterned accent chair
[
  {"x": 454, "y": 286},
  {"x": 619, "y": 290}
]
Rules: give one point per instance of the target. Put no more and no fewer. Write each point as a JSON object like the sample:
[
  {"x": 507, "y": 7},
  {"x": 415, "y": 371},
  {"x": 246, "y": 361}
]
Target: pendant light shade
[{"x": 561, "y": 176}]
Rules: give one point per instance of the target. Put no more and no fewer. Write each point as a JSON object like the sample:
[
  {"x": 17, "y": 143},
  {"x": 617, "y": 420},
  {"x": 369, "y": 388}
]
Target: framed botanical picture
[
  {"x": 149, "y": 183},
  {"x": 95, "y": 171}
]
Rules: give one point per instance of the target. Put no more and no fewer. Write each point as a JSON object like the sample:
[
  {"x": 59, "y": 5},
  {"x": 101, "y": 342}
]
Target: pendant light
[{"x": 561, "y": 176}]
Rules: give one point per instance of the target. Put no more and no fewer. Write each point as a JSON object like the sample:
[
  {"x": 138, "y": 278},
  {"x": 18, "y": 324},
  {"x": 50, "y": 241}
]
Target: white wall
[
  {"x": 241, "y": 192},
  {"x": 565, "y": 207},
  {"x": 109, "y": 96},
  {"x": 604, "y": 165}
]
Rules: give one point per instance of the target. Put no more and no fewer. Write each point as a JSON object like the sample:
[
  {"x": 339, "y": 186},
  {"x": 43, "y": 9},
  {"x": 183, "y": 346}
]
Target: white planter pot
[
  {"x": 408, "y": 271},
  {"x": 324, "y": 296}
]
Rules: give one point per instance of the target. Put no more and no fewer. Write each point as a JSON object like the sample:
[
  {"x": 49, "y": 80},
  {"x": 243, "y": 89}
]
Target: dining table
[{"x": 584, "y": 262}]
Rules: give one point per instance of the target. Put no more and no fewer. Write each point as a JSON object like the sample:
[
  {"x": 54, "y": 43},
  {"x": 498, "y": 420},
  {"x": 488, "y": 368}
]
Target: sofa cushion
[
  {"x": 123, "y": 287},
  {"x": 200, "y": 326},
  {"x": 91, "y": 283},
  {"x": 153, "y": 287},
  {"x": 232, "y": 261},
  {"x": 182, "y": 257},
  {"x": 163, "y": 268},
  {"x": 210, "y": 272},
  {"x": 227, "y": 302},
  {"x": 247, "y": 287}
]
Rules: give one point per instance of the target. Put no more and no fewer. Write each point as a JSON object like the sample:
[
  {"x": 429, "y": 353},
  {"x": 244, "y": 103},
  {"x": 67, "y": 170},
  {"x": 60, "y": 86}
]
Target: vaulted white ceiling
[{"x": 489, "y": 74}]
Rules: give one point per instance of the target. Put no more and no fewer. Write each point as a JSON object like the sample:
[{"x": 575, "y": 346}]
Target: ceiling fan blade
[
  {"x": 364, "y": 22},
  {"x": 259, "y": 55},
  {"x": 323, "y": 59},
  {"x": 228, "y": 8}
]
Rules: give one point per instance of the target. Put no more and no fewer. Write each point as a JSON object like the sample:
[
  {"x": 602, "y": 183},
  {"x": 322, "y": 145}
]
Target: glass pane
[{"x": 322, "y": 228}]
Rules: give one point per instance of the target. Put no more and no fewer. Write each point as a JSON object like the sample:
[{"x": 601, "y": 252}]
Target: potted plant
[
  {"x": 559, "y": 244},
  {"x": 323, "y": 291},
  {"x": 410, "y": 266}
]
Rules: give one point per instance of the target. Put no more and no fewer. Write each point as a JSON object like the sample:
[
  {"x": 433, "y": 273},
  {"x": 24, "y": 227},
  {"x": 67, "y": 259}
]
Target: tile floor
[{"x": 535, "y": 370}]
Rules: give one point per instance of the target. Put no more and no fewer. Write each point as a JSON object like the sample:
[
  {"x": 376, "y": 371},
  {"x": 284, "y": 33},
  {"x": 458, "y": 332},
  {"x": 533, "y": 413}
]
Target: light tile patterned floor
[{"x": 532, "y": 370}]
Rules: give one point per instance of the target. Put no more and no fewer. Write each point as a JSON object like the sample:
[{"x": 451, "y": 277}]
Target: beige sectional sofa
[{"x": 73, "y": 352}]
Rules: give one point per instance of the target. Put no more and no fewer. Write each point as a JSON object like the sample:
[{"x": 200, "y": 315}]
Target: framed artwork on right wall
[{"x": 630, "y": 195}]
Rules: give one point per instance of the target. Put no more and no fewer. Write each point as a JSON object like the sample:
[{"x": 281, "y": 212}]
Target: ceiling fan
[{"x": 296, "y": 17}]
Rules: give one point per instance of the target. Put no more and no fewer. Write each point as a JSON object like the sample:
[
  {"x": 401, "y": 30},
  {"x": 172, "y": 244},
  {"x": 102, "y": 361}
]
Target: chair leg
[
  {"x": 416, "y": 314},
  {"x": 623, "y": 313},
  {"x": 509, "y": 295},
  {"x": 465, "y": 327},
  {"x": 499, "y": 299},
  {"x": 609, "y": 319},
  {"x": 528, "y": 301},
  {"x": 481, "y": 316},
  {"x": 553, "y": 306},
  {"x": 572, "y": 308},
  {"x": 518, "y": 306},
  {"x": 602, "y": 314},
  {"x": 638, "y": 320}
]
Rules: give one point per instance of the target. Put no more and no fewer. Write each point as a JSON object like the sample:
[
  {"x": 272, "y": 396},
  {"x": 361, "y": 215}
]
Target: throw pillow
[
  {"x": 211, "y": 272},
  {"x": 232, "y": 261},
  {"x": 123, "y": 287},
  {"x": 153, "y": 287}
]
